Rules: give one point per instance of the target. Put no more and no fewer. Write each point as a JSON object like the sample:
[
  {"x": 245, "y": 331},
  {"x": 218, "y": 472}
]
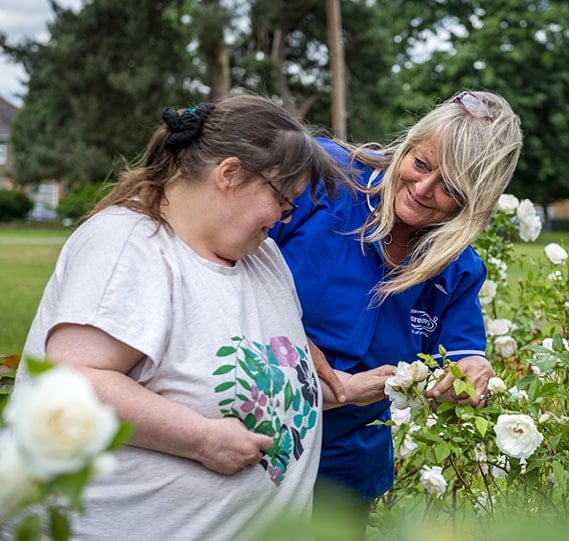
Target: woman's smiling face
[{"x": 422, "y": 198}]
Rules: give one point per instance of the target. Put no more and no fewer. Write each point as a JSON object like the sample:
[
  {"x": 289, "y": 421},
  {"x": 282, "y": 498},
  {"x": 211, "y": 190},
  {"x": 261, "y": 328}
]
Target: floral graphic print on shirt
[{"x": 262, "y": 381}]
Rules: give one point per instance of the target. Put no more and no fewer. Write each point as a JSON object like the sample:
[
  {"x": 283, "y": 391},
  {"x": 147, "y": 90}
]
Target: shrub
[
  {"x": 80, "y": 201},
  {"x": 14, "y": 205}
]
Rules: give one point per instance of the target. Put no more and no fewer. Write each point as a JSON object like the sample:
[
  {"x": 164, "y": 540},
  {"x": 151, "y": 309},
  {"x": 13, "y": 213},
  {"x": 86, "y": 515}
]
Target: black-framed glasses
[
  {"x": 281, "y": 198},
  {"x": 473, "y": 105}
]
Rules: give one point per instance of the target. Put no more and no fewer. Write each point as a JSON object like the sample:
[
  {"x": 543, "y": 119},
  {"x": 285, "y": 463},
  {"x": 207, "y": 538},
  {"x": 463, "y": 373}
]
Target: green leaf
[
  {"x": 58, "y": 525},
  {"x": 289, "y": 394},
  {"x": 224, "y": 386},
  {"x": 72, "y": 486},
  {"x": 560, "y": 475},
  {"x": 122, "y": 436},
  {"x": 250, "y": 421},
  {"x": 36, "y": 367},
  {"x": 244, "y": 383},
  {"x": 28, "y": 529},
  {"x": 481, "y": 425},
  {"x": 265, "y": 427},
  {"x": 442, "y": 451},
  {"x": 225, "y": 351},
  {"x": 224, "y": 368}
]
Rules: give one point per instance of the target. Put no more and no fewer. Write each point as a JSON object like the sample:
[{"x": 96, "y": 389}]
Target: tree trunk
[{"x": 336, "y": 48}]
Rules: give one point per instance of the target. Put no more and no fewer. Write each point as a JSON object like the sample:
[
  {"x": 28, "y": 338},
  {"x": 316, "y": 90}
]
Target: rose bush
[{"x": 509, "y": 460}]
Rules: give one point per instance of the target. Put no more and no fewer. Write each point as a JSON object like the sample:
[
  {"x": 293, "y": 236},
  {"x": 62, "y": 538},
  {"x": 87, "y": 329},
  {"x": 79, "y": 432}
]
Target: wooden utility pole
[{"x": 336, "y": 49}]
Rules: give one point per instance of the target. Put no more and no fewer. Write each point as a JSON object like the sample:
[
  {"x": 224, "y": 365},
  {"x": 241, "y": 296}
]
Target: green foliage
[
  {"x": 78, "y": 202},
  {"x": 487, "y": 487},
  {"x": 14, "y": 205},
  {"x": 97, "y": 87}
]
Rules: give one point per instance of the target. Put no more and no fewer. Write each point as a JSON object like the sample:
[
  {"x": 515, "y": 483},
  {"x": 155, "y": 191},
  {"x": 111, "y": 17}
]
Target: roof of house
[{"x": 8, "y": 114}]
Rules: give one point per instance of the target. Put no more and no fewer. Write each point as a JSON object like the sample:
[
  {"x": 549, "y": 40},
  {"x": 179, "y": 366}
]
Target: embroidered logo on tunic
[
  {"x": 422, "y": 322},
  {"x": 259, "y": 387}
]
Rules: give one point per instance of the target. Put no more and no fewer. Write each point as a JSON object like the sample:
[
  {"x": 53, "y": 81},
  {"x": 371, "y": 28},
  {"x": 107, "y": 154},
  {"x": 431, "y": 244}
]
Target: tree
[
  {"x": 96, "y": 88},
  {"x": 336, "y": 48}
]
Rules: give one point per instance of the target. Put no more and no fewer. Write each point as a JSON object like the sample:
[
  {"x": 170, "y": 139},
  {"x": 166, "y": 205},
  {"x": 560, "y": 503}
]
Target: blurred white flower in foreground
[
  {"x": 59, "y": 423},
  {"x": 516, "y": 435},
  {"x": 555, "y": 253},
  {"x": 508, "y": 203},
  {"x": 17, "y": 485},
  {"x": 433, "y": 480}
]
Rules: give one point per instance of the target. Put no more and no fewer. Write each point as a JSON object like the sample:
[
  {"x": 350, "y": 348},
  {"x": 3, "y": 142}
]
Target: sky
[{"x": 20, "y": 19}]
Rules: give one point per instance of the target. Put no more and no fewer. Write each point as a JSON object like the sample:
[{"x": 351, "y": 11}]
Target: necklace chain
[{"x": 388, "y": 239}]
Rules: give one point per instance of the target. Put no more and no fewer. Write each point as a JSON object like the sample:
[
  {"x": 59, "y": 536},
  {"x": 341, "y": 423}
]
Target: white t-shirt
[{"x": 222, "y": 340}]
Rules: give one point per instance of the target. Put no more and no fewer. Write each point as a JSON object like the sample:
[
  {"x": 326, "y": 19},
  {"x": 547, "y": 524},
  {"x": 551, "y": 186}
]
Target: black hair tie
[{"x": 185, "y": 126}]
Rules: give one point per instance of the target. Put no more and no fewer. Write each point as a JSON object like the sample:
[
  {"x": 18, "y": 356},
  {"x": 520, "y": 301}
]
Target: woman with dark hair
[{"x": 171, "y": 299}]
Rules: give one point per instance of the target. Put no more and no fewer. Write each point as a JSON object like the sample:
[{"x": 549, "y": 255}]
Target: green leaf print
[
  {"x": 224, "y": 386},
  {"x": 289, "y": 395},
  {"x": 265, "y": 427},
  {"x": 225, "y": 351},
  {"x": 224, "y": 369}
]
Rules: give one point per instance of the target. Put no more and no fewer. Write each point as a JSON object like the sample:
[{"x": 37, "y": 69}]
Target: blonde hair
[{"x": 478, "y": 156}]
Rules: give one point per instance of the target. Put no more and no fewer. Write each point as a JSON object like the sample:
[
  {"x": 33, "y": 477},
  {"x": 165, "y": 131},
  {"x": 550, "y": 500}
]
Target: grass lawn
[{"x": 27, "y": 259}]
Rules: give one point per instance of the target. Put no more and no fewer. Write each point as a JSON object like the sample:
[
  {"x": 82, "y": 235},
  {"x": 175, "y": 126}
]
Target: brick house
[{"x": 8, "y": 114}]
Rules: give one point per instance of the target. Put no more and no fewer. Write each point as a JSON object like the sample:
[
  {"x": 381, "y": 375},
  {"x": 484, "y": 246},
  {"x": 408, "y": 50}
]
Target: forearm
[{"x": 159, "y": 424}]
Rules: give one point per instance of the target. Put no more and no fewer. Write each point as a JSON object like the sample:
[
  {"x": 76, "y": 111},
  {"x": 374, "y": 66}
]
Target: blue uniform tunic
[{"x": 334, "y": 279}]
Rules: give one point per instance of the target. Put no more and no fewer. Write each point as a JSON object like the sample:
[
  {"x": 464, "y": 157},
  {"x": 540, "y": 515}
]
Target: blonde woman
[{"x": 384, "y": 271}]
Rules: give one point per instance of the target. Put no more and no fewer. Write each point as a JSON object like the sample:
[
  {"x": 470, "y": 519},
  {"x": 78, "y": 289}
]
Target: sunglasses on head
[{"x": 473, "y": 105}]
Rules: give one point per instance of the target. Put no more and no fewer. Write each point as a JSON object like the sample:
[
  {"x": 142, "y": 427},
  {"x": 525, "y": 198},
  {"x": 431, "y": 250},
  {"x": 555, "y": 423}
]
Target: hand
[
  {"x": 228, "y": 447},
  {"x": 326, "y": 373},
  {"x": 478, "y": 371},
  {"x": 362, "y": 388}
]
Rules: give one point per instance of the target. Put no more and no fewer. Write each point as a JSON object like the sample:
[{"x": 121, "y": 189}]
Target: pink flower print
[
  {"x": 284, "y": 351},
  {"x": 256, "y": 404},
  {"x": 275, "y": 474}
]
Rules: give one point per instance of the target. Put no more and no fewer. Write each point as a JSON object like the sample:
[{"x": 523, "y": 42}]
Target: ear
[{"x": 228, "y": 173}]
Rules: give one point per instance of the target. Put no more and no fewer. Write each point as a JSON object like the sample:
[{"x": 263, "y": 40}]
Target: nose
[{"x": 426, "y": 185}]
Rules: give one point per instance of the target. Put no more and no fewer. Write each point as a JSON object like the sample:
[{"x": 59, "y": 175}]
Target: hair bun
[{"x": 185, "y": 126}]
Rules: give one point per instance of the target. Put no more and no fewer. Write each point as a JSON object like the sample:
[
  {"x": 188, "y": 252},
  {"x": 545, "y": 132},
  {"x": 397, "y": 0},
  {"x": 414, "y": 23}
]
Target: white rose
[
  {"x": 497, "y": 327},
  {"x": 17, "y": 485},
  {"x": 555, "y": 253},
  {"x": 420, "y": 371},
  {"x": 433, "y": 480},
  {"x": 403, "y": 376},
  {"x": 548, "y": 343},
  {"x": 501, "y": 468},
  {"x": 516, "y": 435},
  {"x": 517, "y": 394},
  {"x": 487, "y": 292},
  {"x": 400, "y": 416},
  {"x": 529, "y": 222},
  {"x": 408, "y": 446},
  {"x": 496, "y": 385},
  {"x": 398, "y": 398},
  {"x": 500, "y": 266},
  {"x": 508, "y": 203},
  {"x": 59, "y": 423},
  {"x": 555, "y": 276},
  {"x": 506, "y": 345}
]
